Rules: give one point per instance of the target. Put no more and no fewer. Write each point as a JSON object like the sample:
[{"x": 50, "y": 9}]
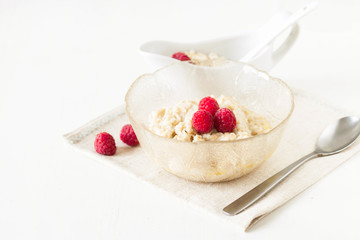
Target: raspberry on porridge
[
  {"x": 176, "y": 122},
  {"x": 209, "y": 104},
  {"x": 202, "y": 121},
  {"x": 199, "y": 58},
  {"x": 180, "y": 56}
]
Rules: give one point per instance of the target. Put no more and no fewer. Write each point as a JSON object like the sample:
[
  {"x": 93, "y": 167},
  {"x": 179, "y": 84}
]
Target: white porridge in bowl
[
  {"x": 176, "y": 122},
  {"x": 203, "y": 59},
  {"x": 200, "y": 58},
  {"x": 162, "y": 107}
]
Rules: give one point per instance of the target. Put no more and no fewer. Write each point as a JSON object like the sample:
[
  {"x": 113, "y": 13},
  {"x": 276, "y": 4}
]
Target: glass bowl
[{"x": 209, "y": 161}]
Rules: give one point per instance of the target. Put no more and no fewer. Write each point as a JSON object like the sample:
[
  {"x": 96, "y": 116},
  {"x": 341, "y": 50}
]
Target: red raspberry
[
  {"x": 181, "y": 56},
  {"x": 202, "y": 121},
  {"x": 105, "y": 144},
  {"x": 209, "y": 104},
  {"x": 224, "y": 120},
  {"x": 128, "y": 136}
]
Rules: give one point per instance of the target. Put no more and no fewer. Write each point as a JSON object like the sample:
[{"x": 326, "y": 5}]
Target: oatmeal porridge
[
  {"x": 199, "y": 58},
  {"x": 211, "y": 59},
  {"x": 176, "y": 122}
]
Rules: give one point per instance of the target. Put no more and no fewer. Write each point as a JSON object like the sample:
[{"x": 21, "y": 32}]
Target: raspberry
[
  {"x": 181, "y": 56},
  {"x": 202, "y": 121},
  {"x": 128, "y": 136},
  {"x": 224, "y": 120},
  {"x": 209, "y": 104},
  {"x": 105, "y": 144}
]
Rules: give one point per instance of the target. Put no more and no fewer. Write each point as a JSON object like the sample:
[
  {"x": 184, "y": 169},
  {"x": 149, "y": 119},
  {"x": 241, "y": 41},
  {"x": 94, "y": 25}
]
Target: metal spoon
[{"x": 334, "y": 139}]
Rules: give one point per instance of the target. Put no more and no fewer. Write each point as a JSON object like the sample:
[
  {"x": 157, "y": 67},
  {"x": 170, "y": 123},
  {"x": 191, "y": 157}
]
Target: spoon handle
[
  {"x": 260, "y": 190},
  {"x": 278, "y": 24}
]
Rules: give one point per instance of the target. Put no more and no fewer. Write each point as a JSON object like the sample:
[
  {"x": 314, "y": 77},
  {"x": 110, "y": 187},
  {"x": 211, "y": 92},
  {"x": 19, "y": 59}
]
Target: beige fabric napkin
[{"x": 308, "y": 120}]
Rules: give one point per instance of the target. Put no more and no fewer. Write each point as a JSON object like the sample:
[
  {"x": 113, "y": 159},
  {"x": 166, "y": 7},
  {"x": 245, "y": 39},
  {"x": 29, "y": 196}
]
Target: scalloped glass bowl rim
[{"x": 282, "y": 122}]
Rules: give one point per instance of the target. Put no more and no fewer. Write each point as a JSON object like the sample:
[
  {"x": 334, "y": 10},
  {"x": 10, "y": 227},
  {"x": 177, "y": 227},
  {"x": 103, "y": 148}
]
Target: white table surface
[{"x": 62, "y": 63}]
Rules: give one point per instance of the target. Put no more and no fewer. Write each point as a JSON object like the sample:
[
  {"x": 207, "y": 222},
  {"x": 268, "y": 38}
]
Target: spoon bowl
[{"x": 338, "y": 136}]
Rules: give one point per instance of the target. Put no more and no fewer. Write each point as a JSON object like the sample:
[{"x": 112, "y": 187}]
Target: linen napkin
[{"x": 310, "y": 117}]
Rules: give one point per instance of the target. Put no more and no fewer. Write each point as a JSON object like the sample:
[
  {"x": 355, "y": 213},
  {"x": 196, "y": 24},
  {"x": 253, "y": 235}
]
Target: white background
[{"x": 62, "y": 63}]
